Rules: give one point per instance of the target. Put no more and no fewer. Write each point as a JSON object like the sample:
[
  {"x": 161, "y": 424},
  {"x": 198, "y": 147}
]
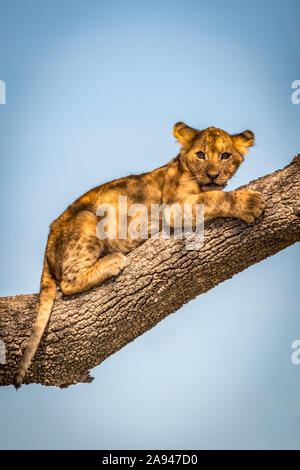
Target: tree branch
[{"x": 160, "y": 277}]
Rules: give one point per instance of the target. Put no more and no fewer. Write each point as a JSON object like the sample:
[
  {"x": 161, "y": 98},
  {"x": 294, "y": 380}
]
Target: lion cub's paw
[
  {"x": 249, "y": 204},
  {"x": 115, "y": 262}
]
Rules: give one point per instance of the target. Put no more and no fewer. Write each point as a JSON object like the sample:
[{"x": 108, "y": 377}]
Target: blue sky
[{"x": 93, "y": 90}]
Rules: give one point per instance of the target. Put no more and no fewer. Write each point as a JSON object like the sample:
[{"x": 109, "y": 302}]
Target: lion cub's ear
[
  {"x": 243, "y": 140},
  {"x": 184, "y": 134}
]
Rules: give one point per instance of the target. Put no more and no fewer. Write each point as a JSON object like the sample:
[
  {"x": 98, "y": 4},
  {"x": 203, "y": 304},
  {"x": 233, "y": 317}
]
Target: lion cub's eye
[
  {"x": 200, "y": 155},
  {"x": 225, "y": 156}
]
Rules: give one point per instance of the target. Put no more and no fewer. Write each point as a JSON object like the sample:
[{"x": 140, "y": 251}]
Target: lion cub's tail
[{"x": 47, "y": 296}]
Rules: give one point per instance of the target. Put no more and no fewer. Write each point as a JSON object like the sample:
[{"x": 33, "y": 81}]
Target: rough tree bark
[{"x": 160, "y": 277}]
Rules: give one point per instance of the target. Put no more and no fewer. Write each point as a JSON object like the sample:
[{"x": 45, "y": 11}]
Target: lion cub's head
[{"x": 212, "y": 155}]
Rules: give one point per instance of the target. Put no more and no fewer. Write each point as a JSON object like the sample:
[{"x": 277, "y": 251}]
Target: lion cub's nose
[{"x": 212, "y": 174}]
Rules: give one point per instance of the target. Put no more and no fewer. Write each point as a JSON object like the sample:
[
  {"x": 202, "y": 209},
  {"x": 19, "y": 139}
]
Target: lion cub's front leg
[{"x": 243, "y": 204}]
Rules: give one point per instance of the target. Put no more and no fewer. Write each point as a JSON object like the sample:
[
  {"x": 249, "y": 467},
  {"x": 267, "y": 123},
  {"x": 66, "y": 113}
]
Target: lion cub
[{"x": 76, "y": 259}]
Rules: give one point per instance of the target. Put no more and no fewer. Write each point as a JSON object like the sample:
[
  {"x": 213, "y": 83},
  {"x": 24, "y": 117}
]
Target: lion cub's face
[{"x": 212, "y": 155}]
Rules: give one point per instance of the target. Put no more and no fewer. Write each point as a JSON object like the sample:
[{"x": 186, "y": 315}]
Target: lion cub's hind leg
[{"x": 85, "y": 261}]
